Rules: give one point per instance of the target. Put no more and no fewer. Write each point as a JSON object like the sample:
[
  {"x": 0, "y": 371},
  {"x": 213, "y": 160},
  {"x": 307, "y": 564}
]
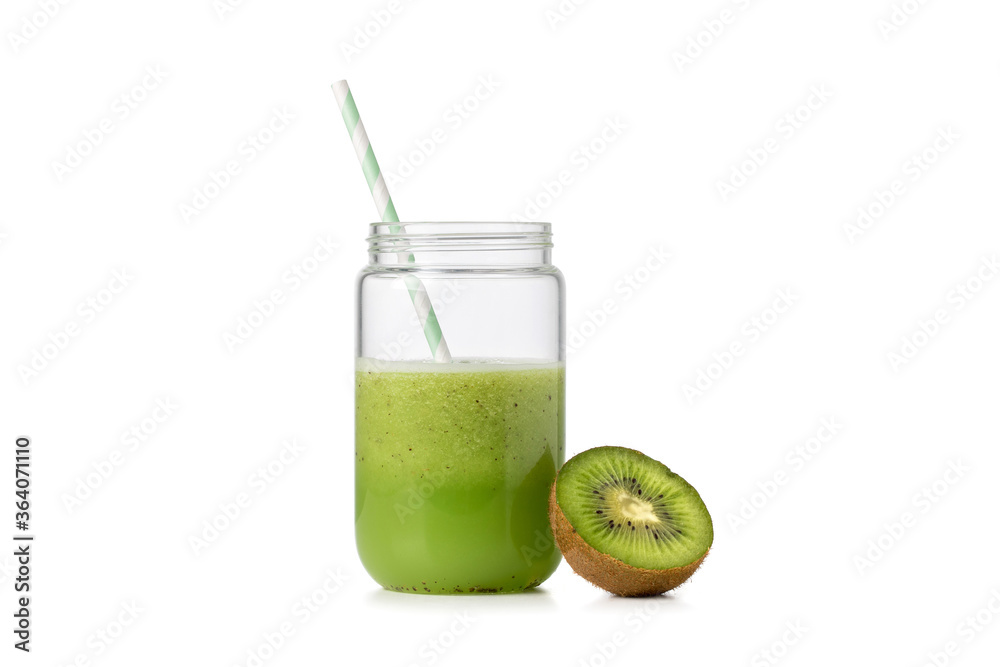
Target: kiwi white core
[{"x": 635, "y": 509}]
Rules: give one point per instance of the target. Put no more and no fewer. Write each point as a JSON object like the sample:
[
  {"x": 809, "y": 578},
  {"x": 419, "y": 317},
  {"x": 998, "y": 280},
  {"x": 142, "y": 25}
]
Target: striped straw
[{"x": 387, "y": 212}]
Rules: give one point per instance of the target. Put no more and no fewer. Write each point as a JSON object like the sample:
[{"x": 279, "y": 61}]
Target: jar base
[{"x": 458, "y": 590}]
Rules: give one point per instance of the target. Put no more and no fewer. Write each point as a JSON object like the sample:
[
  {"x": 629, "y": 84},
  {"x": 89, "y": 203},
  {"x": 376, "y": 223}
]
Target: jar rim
[
  {"x": 458, "y": 229},
  {"x": 480, "y": 244}
]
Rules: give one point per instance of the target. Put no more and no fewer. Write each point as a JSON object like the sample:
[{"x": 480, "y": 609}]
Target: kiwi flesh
[{"x": 626, "y": 523}]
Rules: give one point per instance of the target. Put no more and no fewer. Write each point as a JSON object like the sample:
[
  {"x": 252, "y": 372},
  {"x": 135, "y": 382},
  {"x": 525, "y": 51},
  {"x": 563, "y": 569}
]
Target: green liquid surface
[{"x": 453, "y": 466}]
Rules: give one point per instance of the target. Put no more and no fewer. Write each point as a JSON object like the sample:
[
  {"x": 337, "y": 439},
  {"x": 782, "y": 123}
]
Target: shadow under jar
[{"x": 454, "y": 459}]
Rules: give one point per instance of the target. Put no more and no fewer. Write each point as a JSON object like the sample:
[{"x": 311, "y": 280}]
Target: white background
[{"x": 816, "y": 552}]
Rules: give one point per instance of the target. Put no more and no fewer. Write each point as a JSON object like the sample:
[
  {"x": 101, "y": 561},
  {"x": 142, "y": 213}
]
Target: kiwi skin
[{"x": 606, "y": 571}]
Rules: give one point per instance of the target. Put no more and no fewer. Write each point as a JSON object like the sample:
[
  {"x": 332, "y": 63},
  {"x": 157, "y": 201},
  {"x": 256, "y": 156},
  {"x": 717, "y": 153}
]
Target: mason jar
[{"x": 459, "y": 406}]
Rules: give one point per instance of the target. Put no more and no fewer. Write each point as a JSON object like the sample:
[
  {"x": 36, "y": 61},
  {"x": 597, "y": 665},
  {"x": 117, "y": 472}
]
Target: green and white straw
[{"x": 387, "y": 212}]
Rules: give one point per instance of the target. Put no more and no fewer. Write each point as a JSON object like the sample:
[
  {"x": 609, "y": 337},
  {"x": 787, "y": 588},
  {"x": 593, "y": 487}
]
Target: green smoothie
[{"x": 453, "y": 465}]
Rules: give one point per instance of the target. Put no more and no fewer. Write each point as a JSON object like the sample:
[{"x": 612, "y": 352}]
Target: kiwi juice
[{"x": 453, "y": 465}]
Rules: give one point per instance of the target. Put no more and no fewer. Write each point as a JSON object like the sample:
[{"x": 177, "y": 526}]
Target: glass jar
[{"x": 455, "y": 452}]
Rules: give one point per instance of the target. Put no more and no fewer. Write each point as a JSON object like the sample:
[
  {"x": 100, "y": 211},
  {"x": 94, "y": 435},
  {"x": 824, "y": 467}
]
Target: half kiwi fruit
[{"x": 626, "y": 523}]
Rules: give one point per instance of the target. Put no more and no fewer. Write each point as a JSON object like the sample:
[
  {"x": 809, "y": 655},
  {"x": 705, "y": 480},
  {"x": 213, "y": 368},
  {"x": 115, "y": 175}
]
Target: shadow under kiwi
[{"x": 605, "y": 601}]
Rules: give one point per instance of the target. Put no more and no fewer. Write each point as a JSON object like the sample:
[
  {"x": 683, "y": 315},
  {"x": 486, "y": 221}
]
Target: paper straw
[{"x": 387, "y": 212}]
